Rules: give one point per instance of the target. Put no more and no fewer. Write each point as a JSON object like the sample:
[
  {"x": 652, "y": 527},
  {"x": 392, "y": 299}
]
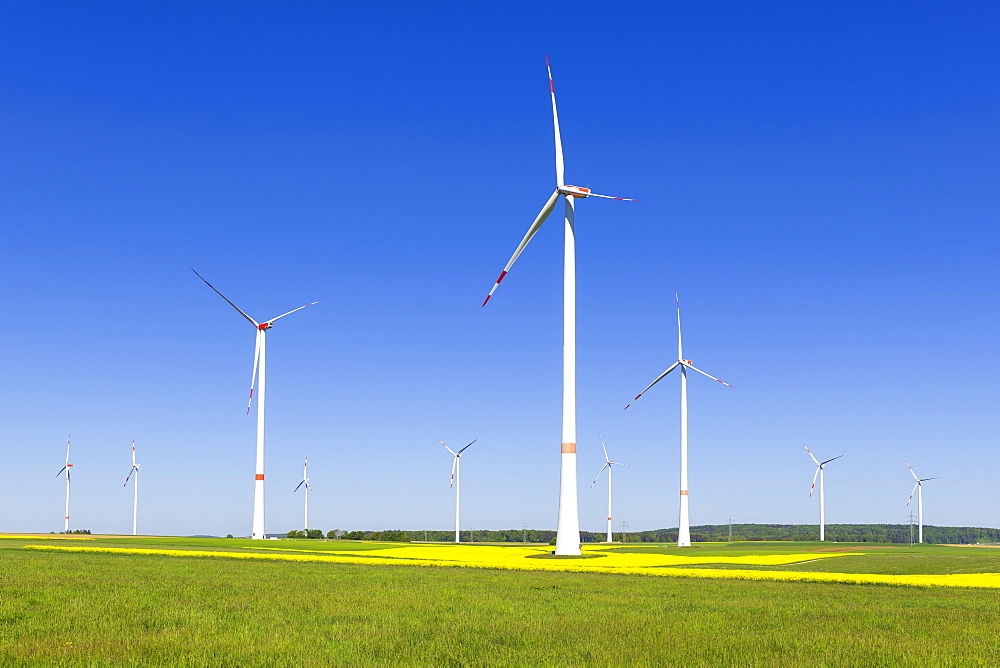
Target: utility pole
[
  {"x": 911, "y": 529},
  {"x": 524, "y": 533},
  {"x": 730, "y": 529},
  {"x": 624, "y": 535}
]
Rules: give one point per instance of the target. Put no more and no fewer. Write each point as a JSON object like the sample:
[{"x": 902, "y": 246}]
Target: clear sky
[{"x": 819, "y": 181}]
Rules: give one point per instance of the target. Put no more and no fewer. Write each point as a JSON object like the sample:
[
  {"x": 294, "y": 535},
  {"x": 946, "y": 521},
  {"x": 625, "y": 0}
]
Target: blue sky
[{"x": 818, "y": 181}]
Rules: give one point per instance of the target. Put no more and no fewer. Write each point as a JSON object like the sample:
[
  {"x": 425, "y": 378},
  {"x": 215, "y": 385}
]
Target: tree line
[{"x": 847, "y": 533}]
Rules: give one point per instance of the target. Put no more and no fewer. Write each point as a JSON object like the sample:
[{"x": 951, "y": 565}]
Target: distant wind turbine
[
  {"x": 568, "y": 527},
  {"x": 684, "y": 526},
  {"x": 258, "y": 360},
  {"x": 66, "y": 469},
  {"x": 456, "y": 481},
  {"x": 305, "y": 481},
  {"x": 919, "y": 489},
  {"x": 822, "y": 498},
  {"x": 135, "y": 488},
  {"x": 608, "y": 464}
]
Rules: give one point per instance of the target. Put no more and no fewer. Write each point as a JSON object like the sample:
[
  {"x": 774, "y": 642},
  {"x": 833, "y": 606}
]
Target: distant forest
[{"x": 847, "y": 533}]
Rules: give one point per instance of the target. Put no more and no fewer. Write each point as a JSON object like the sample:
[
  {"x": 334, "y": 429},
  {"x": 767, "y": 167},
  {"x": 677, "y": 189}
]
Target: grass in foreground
[{"x": 140, "y": 609}]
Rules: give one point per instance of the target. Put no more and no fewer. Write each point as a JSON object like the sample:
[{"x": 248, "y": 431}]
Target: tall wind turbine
[
  {"x": 919, "y": 489},
  {"x": 135, "y": 488},
  {"x": 305, "y": 481},
  {"x": 822, "y": 498},
  {"x": 66, "y": 469},
  {"x": 456, "y": 481},
  {"x": 607, "y": 465},
  {"x": 258, "y": 361},
  {"x": 684, "y": 525},
  {"x": 568, "y": 528}
]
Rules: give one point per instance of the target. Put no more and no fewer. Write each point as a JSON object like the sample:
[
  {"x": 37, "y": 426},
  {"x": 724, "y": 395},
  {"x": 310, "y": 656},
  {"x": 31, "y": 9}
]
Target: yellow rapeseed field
[
  {"x": 604, "y": 560},
  {"x": 42, "y": 536}
]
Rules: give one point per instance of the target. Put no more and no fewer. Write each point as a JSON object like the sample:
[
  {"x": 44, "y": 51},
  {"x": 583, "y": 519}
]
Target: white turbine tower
[
  {"x": 456, "y": 481},
  {"x": 305, "y": 481},
  {"x": 608, "y": 464},
  {"x": 258, "y": 360},
  {"x": 135, "y": 488},
  {"x": 822, "y": 497},
  {"x": 684, "y": 525},
  {"x": 568, "y": 527},
  {"x": 919, "y": 489},
  {"x": 66, "y": 469}
]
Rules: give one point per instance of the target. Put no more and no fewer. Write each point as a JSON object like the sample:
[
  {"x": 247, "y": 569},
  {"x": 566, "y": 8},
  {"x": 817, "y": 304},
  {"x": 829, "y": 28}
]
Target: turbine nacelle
[
  {"x": 574, "y": 191},
  {"x": 264, "y": 326}
]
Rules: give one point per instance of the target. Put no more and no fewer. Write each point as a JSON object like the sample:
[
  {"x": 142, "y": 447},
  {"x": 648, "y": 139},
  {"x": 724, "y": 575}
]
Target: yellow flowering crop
[
  {"x": 515, "y": 558},
  {"x": 43, "y": 536}
]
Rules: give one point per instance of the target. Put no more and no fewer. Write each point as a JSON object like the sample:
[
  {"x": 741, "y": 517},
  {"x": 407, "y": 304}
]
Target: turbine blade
[
  {"x": 815, "y": 475},
  {"x": 677, "y": 303},
  {"x": 447, "y": 448},
  {"x": 693, "y": 368},
  {"x": 290, "y": 312},
  {"x": 539, "y": 219},
  {"x": 254, "y": 322},
  {"x": 300, "y": 485},
  {"x": 463, "y": 449},
  {"x": 912, "y": 472},
  {"x": 253, "y": 376},
  {"x": 129, "y": 476},
  {"x": 599, "y": 475},
  {"x": 133, "y": 454},
  {"x": 60, "y": 471},
  {"x": 658, "y": 379},
  {"x": 454, "y": 465},
  {"x": 560, "y": 167},
  {"x": 917, "y": 484},
  {"x": 624, "y": 199},
  {"x": 830, "y": 460},
  {"x": 811, "y": 454},
  {"x": 937, "y": 477},
  {"x": 603, "y": 447}
]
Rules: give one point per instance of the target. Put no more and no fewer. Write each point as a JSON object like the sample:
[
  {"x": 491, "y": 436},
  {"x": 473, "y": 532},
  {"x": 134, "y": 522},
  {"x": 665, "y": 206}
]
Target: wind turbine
[
  {"x": 684, "y": 525},
  {"x": 822, "y": 498},
  {"x": 607, "y": 465},
  {"x": 455, "y": 480},
  {"x": 135, "y": 488},
  {"x": 66, "y": 468},
  {"x": 919, "y": 489},
  {"x": 305, "y": 481},
  {"x": 568, "y": 528},
  {"x": 258, "y": 360}
]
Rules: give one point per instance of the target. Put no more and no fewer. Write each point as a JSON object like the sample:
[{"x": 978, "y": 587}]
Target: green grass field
[{"x": 129, "y": 609}]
